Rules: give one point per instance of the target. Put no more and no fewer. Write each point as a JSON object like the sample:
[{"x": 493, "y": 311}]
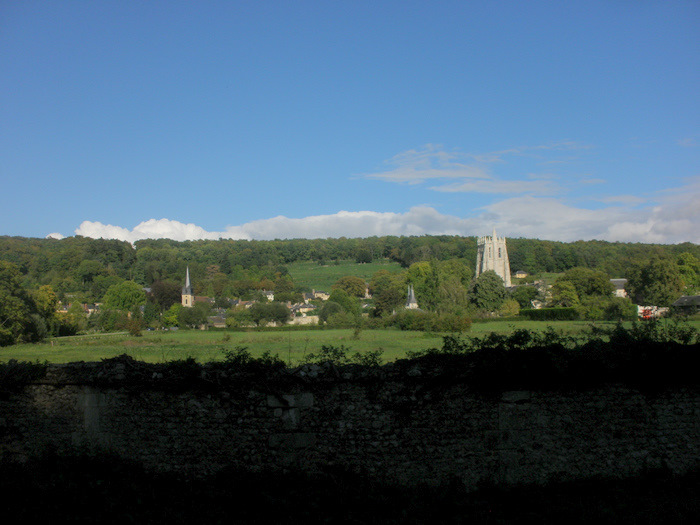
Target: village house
[
  {"x": 301, "y": 308},
  {"x": 88, "y": 308},
  {"x": 688, "y": 305},
  {"x": 619, "y": 285},
  {"x": 318, "y": 294}
]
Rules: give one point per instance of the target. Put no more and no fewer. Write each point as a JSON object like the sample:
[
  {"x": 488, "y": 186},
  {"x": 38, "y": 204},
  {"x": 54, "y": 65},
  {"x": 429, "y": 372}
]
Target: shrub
[
  {"x": 509, "y": 308},
  {"x": 370, "y": 358},
  {"x": 16, "y": 374},
  {"x": 429, "y": 321},
  {"x": 329, "y": 353}
]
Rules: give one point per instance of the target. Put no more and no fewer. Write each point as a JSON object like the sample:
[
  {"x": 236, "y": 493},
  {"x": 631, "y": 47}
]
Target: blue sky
[{"x": 275, "y": 119}]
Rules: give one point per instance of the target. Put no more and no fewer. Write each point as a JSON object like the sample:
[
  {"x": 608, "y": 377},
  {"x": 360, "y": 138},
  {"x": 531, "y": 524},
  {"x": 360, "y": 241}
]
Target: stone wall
[{"x": 400, "y": 428}]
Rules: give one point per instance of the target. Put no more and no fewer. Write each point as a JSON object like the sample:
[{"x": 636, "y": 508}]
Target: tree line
[{"x": 90, "y": 265}]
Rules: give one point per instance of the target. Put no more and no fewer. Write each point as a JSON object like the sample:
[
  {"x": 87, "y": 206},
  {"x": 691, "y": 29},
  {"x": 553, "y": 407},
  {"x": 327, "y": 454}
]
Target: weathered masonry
[
  {"x": 404, "y": 428},
  {"x": 492, "y": 254}
]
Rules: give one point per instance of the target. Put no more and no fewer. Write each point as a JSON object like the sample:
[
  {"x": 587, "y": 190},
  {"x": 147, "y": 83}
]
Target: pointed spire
[
  {"x": 411, "y": 300},
  {"x": 187, "y": 289}
]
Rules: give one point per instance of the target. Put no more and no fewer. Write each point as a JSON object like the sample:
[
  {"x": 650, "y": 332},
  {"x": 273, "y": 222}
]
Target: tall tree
[
  {"x": 349, "y": 303},
  {"x": 354, "y": 286},
  {"x": 274, "y": 312},
  {"x": 689, "y": 268},
  {"x": 588, "y": 282},
  {"x": 19, "y": 319},
  {"x": 165, "y": 293},
  {"x": 124, "y": 296},
  {"x": 388, "y": 291},
  {"x": 46, "y": 301},
  {"x": 564, "y": 294},
  {"x": 655, "y": 282},
  {"x": 488, "y": 291}
]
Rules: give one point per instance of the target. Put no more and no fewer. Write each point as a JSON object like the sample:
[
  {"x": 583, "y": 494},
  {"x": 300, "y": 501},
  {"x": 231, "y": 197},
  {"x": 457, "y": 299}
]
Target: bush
[
  {"x": 329, "y": 353},
  {"x": 429, "y": 321},
  {"x": 647, "y": 356},
  {"x": 16, "y": 374},
  {"x": 509, "y": 308},
  {"x": 338, "y": 355}
]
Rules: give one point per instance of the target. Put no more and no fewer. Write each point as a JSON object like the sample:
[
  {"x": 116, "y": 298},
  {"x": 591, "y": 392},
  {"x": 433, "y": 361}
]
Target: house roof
[
  {"x": 688, "y": 300},
  {"x": 619, "y": 283}
]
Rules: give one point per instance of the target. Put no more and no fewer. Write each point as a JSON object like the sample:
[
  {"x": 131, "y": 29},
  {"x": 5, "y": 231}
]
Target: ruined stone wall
[{"x": 404, "y": 429}]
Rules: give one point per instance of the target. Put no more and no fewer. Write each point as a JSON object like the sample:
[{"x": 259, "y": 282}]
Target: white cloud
[
  {"x": 532, "y": 151},
  {"x": 420, "y": 220},
  {"x": 55, "y": 236},
  {"x": 631, "y": 200},
  {"x": 150, "y": 229},
  {"x": 416, "y": 166},
  {"x": 541, "y": 187},
  {"x": 433, "y": 163},
  {"x": 675, "y": 219}
]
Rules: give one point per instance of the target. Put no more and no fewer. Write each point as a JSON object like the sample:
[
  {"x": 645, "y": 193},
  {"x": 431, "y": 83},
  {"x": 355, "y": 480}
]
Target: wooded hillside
[{"x": 79, "y": 263}]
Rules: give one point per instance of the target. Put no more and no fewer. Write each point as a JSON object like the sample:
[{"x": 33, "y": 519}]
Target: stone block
[
  {"x": 292, "y": 440},
  {"x": 303, "y": 400},
  {"x": 516, "y": 396},
  {"x": 290, "y": 418}
]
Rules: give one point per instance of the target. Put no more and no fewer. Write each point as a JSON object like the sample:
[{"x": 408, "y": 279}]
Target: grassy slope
[{"x": 313, "y": 276}]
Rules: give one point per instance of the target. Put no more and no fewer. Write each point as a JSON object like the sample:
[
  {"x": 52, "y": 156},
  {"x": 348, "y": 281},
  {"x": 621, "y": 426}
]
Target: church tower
[
  {"x": 187, "y": 296},
  {"x": 492, "y": 255},
  {"x": 411, "y": 303}
]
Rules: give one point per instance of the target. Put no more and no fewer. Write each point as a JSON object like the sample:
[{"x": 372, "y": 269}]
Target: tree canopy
[
  {"x": 488, "y": 291},
  {"x": 19, "y": 318},
  {"x": 124, "y": 296},
  {"x": 655, "y": 282},
  {"x": 351, "y": 284}
]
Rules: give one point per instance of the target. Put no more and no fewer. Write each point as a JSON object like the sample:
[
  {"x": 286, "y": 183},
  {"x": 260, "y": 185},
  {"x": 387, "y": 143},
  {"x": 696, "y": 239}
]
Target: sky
[{"x": 280, "y": 119}]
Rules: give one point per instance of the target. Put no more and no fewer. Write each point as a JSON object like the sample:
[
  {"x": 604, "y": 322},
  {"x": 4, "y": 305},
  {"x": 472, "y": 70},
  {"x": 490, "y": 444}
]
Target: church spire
[
  {"x": 411, "y": 302},
  {"x": 188, "y": 287},
  {"x": 187, "y": 297}
]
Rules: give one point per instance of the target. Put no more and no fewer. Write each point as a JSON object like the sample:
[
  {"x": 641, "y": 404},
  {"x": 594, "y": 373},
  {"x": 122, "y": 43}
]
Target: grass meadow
[
  {"x": 310, "y": 275},
  {"x": 291, "y": 345}
]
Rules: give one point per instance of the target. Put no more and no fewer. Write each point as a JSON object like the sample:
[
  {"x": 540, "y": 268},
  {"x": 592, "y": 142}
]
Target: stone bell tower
[{"x": 492, "y": 255}]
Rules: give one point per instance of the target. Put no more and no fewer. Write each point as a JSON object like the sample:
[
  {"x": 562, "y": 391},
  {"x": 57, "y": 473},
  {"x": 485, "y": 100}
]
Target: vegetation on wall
[{"x": 643, "y": 355}]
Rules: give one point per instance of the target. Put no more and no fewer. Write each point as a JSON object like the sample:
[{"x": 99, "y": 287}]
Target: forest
[{"x": 91, "y": 265}]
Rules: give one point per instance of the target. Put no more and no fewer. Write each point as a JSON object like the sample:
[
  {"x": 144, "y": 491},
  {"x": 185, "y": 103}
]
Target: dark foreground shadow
[{"x": 105, "y": 489}]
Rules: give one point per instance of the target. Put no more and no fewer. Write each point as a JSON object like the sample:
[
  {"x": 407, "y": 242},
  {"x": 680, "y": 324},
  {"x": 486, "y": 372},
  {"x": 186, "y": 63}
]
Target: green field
[
  {"x": 311, "y": 275},
  {"x": 290, "y": 345}
]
